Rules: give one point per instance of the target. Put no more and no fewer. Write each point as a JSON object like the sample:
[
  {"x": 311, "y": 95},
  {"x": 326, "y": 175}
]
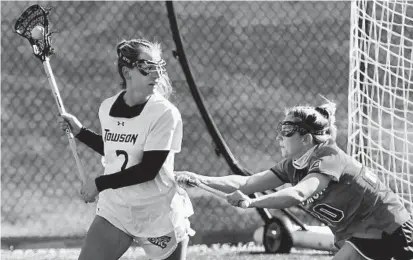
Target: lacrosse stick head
[{"x": 35, "y": 19}]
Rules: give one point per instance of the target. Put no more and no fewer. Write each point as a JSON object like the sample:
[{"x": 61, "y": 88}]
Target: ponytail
[{"x": 328, "y": 111}]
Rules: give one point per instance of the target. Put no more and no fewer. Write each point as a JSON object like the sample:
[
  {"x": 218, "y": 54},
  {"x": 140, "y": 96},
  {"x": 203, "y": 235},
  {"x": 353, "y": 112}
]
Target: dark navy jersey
[{"x": 355, "y": 203}]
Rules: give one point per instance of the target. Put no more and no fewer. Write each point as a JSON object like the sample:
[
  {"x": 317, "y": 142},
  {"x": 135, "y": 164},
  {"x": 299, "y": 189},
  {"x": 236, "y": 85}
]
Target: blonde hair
[{"x": 129, "y": 52}]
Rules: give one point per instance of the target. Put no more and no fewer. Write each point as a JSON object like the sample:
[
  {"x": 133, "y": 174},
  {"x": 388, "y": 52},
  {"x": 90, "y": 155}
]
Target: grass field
[{"x": 214, "y": 252}]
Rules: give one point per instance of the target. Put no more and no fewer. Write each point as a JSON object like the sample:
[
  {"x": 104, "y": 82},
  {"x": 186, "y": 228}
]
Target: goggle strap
[
  {"x": 158, "y": 65},
  {"x": 302, "y": 127}
]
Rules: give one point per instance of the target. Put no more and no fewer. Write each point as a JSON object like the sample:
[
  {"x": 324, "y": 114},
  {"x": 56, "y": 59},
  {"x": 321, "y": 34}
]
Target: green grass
[{"x": 215, "y": 252}]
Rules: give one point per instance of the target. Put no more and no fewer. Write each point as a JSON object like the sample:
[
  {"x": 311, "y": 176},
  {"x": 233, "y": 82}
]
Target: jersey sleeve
[
  {"x": 329, "y": 163},
  {"x": 91, "y": 139},
  {"x": 166, "y": 134},
  {"x": 281, "y": 171}
]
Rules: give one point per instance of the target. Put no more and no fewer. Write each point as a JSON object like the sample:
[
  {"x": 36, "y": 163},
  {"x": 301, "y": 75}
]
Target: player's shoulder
[
  {"x": 328, "y": 149},
  {"x": 161, "y": 105},
  {"x": 328, "y": 157},
  {"x": 161, "y": 101}
]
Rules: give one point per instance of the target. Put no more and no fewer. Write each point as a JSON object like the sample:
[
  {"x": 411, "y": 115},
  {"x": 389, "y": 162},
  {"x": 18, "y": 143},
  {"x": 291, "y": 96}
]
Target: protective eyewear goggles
[
  {"x": 289, "y": 128},
  {"x": 147, "y": 67}
]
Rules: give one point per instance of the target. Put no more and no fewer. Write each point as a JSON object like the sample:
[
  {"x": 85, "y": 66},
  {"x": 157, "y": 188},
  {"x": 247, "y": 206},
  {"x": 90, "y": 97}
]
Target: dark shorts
[{"x": 398, "y": 245}]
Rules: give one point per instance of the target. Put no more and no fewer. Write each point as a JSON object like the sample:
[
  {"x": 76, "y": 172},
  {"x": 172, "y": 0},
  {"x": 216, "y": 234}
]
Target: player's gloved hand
[
  {"x": 187, "y": 179},
  {"x": 89, "y": 191},
  {"x": 239, "y": 199},
  {"x": 70, "y": 121}
]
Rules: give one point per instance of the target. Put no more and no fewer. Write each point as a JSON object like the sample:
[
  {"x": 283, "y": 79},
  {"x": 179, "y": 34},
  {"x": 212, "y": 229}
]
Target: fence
[{"x": 249, "y": 59}]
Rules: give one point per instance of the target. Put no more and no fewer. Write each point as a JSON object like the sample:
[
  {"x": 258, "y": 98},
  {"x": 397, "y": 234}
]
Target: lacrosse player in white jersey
[{"x": 139, "y": 199}]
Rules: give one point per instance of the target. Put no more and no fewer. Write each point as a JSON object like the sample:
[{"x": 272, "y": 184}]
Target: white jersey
[{"x": 144, "y": 209}]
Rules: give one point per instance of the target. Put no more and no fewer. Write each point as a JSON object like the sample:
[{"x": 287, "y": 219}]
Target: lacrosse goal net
[{"x": 381, "y": 92}]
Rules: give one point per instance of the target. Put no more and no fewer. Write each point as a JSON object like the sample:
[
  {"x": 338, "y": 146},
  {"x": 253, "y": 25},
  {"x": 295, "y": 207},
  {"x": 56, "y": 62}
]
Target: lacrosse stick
[
  {"x": 33, "y": 25},
  {"x": 191, "y": 182},
  {"x": 212, "y": 190},
  {"x": 220, "y": 194}
]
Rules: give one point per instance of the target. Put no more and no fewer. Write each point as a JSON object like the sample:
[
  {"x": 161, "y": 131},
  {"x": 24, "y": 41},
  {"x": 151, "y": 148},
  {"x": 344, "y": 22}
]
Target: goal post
[{"x": 380, "y": 100}]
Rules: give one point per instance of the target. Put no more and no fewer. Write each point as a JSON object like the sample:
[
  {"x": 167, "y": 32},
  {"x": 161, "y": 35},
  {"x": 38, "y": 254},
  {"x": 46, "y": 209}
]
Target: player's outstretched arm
[
  {"x": 225, "y": 184},
  {"x": 285, "y": 198},
  {"x": 247, "y": 184}
]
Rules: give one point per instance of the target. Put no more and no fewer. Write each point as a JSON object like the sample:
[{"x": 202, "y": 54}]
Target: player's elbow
[
  {"x": 151, "y": 174},
  {"x": 247, "y": 185}
]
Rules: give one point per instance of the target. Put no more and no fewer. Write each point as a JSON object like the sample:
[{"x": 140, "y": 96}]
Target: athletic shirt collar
[
  {"x": 121, "y": 109},
  {"x": 304, "y": 160}
]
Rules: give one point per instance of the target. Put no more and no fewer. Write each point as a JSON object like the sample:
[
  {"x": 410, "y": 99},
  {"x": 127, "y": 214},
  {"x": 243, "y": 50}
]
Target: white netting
[{"x": 381, "y": 91}]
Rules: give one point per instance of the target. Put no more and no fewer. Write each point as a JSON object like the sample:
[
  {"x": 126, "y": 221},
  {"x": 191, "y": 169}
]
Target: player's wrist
[
  {"x": 252, "y": 203},
  {"x": 244, "y": 204},
  {"x": 207, "y": 180},
  {"x": 77, "y": 130},
  {"x": 77, "y": 126},
  {"x": 201, "y": 179}
]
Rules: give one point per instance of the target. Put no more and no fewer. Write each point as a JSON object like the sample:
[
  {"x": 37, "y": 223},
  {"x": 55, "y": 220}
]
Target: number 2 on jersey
[{"x": 124, "y": 153}]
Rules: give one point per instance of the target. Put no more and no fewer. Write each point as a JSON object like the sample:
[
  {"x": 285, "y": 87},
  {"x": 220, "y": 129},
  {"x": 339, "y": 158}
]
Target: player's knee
[{"x": 99, "y": 242}]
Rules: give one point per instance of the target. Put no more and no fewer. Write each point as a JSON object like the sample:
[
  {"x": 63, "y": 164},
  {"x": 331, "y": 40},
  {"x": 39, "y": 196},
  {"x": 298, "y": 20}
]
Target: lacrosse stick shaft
[
  {"x": 212, "y": 190},
  {"x": 58, "y": 99}
]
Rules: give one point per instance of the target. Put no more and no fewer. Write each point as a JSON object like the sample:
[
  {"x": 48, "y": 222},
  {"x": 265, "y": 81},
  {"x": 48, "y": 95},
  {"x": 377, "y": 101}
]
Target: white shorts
[
  {"x": 157, "y": 228},
  {"x": 163, "y": 246},
  {"x": 155, "y": 247}
]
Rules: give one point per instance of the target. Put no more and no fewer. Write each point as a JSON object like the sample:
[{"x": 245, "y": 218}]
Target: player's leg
[
  {"x": 348, "y": 252},
  {"x": 104, "y": 241},
  {"x": 172, "y": 246},
  {"x": 402, "y": 241},
  {"x": 364, "y": 249},
  {"x": 165, "y": 247},
  {"x": 180, "y": 251}
]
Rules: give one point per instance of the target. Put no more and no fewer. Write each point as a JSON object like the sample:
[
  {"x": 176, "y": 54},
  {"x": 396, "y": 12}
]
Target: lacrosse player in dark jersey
[{"x": 367, "y": 219}]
